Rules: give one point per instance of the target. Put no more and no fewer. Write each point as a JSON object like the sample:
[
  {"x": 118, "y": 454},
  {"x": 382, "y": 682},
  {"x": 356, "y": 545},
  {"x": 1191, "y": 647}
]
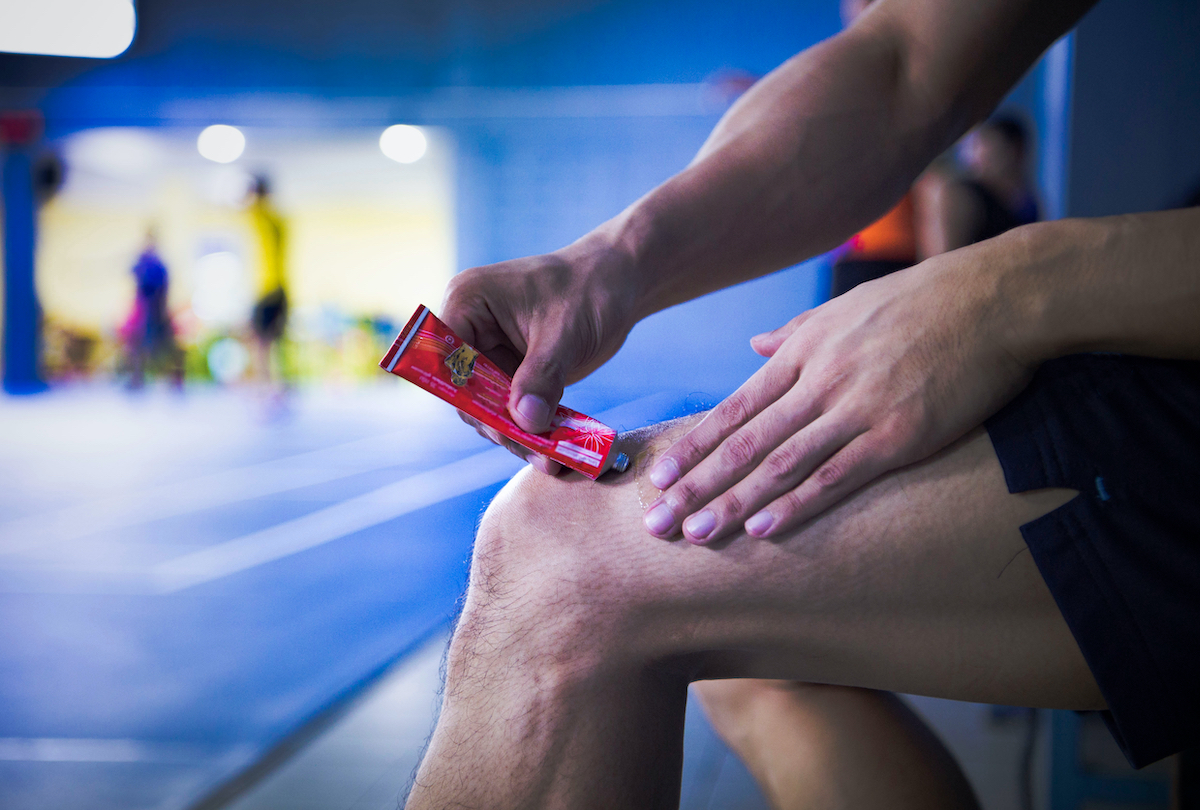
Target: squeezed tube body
[{"x": 428, "y": 354}]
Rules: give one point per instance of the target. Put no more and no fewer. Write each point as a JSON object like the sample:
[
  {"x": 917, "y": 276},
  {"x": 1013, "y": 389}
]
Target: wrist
[
  {"x": 604, "y": 273},
  {"x": 610, "y": 258},
  {"x": 999, "y": 287},
  {"x": 1043, "y": 278},
  {"x": 1019, "y": 295}
]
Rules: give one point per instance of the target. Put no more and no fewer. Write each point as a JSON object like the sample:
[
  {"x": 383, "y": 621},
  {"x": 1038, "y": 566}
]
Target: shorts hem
[
  {"x": 1116, "y": 653},
  {"x": 1063, "y": 546}
]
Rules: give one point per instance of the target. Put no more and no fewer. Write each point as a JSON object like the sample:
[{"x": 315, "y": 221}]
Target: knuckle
[
  {"x": 830, "y": 474},
  {"x": 740, "y": 450},
  {"x": 689, "y": 450},
  {"x": 729, "y": 506},
  {"x": 542, "y": 366},
  {"x": 778, "y": 376},
  {"x": 787, "y": 505},
  {"x": 856, "y": 455},
  {"x": 874, "y": 451},
  {"x": 556, "y": 274},
  {"x": 683, "y": 452},
  {"x": 689, "y": 492},
  {"x": 782, "y": 463},
  {"x": 883, "y": 436},
  {"x": 736, "y": 410},
  {"x": 892, "y": 430},
  {"x": 457, "y": 288}
]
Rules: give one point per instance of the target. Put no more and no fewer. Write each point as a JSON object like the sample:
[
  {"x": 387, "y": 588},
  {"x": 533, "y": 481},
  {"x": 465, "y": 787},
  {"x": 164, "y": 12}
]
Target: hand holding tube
[{"x": 547, "y": 321}]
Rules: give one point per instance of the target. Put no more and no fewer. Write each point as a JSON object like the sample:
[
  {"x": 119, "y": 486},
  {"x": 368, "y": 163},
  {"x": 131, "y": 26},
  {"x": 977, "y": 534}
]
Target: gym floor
[{"x": 215, "y": 601}]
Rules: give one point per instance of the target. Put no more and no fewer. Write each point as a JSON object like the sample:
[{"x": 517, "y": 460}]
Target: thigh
[{"x": 919, "y": 583}]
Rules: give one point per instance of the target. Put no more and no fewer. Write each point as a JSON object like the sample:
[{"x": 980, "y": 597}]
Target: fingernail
[
  {"x": 534, "y": 409},
  {"x": 758, "y": 524},
  {"x": 664, "y": 473},
  {"x": 540, "y": 463},
  {"x": 659, "y": 519},
  {"x": 701, "y": 524}
]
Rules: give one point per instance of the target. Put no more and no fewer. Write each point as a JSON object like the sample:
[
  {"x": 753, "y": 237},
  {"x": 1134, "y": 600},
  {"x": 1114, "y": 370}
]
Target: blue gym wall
[
  {"x": 1136, "y": 144},
  {"x": 380, "y": 47},
  {"x": 536, "y": 177},
  {"x": 536, "y": 168}
]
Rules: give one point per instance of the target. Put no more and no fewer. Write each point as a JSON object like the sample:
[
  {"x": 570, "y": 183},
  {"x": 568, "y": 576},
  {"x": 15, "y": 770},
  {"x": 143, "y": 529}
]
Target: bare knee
[
  {"x": 731, "y": 698},
  {"x": 732, "y": 705},
  {"x": 537, "y": 595},
  {"x": 738, "y": 707},
  {"x": 538, "y": 546}
]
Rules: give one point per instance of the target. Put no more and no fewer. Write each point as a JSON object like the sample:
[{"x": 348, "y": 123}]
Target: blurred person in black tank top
[
  {"x": 992, "y": 195},
  {"x": 986, "y": 194}
]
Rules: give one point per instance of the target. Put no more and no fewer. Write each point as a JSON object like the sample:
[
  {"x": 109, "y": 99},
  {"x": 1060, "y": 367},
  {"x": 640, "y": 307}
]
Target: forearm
[
  {"x": 1126, "y": 284},
  {"x": 829, "y": 141},
  {"x": 815, "y": 151}
]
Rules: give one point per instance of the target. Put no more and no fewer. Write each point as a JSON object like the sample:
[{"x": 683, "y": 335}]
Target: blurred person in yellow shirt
[{"x": 269, "y": 317}]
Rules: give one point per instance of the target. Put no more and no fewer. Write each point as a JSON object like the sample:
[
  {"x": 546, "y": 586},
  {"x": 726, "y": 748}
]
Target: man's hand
[
  {"x": 547, "y": 321},
  {"x": 881, "y": 377}
]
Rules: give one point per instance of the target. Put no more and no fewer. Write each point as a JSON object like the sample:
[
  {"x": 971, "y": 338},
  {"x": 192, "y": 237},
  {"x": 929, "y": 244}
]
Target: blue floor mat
[
  {"x": 208, "y": 679},
  {"x": 119, "y": 697}
]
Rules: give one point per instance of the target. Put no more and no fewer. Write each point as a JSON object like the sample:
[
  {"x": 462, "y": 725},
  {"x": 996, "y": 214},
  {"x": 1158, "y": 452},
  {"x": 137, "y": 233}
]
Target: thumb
[
  {"x": 537, "y": 387},
  {"x": 768, "y": 343}
]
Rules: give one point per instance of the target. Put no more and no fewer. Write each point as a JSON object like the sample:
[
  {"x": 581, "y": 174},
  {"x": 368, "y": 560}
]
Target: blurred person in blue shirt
[{"x": 149, "y": 332}]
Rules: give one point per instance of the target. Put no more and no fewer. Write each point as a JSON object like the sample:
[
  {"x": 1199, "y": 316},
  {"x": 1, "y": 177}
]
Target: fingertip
[
  {"x": 764, "y": 345},
  {"x": 664, "y": 473},
  {"x": 533, "y": 413},
  {"x": 699, "y": 527},
  {"x": 460, "y": 326},
  {"x": 759, "y": 524},
  {"x": 543, "y": 464},
  {"x": 658, "y": 520}
]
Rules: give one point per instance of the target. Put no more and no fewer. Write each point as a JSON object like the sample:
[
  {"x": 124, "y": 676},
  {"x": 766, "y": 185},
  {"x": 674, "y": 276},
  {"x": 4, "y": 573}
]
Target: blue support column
[
  {"x": 1072, "y": 786},
  {"x": 22, "y": 313}
]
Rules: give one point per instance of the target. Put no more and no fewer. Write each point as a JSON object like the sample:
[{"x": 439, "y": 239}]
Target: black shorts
[
  {"x": 1123, "y": 558},
  {"x": 269, "y": 317}
]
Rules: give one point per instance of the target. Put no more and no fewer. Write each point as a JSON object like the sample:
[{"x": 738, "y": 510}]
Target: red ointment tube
[{"x": 429, "y": 354}]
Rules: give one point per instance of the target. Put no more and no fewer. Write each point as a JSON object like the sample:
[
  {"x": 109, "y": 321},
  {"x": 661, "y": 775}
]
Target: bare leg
[
  {"x": 262, "y": 360},
  {"x": 816, "y": 747},
  {"x": 137, "y": 369},
  {"x": 566, "y": 677}
]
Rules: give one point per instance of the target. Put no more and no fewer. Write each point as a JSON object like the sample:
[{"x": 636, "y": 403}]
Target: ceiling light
[
  {"x": 403, "y": 143},
  {"x": 96, "y": 28},
  {"x": 221, "y": 143}
]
